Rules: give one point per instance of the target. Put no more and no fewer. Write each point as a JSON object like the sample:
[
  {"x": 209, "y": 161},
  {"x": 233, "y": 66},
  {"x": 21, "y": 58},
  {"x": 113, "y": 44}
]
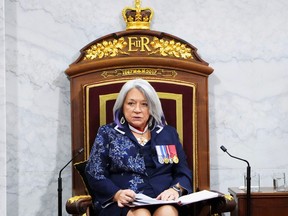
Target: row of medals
[
  {"x": 162, "y": 160},
  {"x": 142, "y": 141},
  {"x": 167, "y": 154}
]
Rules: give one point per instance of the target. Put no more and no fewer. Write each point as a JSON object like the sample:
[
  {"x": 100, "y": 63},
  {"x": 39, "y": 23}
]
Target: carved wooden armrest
[
  {"x": 78, "y": 204},
  {"x": 216, "y": 206},
  {"x": 224, "y": 203}
]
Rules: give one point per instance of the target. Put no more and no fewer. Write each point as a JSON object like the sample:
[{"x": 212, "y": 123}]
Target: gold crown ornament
[{"x": 137, "y": 18}]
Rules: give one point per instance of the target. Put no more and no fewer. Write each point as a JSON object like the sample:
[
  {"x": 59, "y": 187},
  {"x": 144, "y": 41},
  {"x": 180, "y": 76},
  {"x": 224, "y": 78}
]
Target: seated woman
[{"x": 137, "y": 153}]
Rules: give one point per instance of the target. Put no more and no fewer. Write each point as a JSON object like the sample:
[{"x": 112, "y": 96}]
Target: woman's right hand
[{"x": 123, "y": 197}]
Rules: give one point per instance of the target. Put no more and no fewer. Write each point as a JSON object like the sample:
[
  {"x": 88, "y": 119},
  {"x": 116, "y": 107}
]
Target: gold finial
[{"x": 137, "y": 18}]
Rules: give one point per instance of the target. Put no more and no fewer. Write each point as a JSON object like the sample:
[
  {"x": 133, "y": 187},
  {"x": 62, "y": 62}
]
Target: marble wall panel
[{"x": 244, "y": 41}]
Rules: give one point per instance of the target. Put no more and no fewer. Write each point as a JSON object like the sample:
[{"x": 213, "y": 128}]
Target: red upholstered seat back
[{"x": 178, "y": 102}]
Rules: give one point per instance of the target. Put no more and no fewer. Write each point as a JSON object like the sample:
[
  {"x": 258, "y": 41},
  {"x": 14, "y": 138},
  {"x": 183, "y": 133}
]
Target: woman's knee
[
  {"x": 166, "y": 210},
  {"x": 139, "y": 212}
]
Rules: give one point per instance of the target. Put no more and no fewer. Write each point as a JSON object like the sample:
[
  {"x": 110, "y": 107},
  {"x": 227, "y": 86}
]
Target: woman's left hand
[{"x": 169, "y": 194}]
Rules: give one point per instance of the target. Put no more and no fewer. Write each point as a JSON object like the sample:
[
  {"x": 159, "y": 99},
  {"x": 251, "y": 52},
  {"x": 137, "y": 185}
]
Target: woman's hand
[
  {"x": 169, "y": 194},
  {"x": 123, "y": 197}
]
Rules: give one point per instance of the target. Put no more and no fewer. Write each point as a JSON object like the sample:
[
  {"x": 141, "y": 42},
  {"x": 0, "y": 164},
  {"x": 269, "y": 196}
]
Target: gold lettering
[
  {"x": 138, "y": 43},
  {"x": 144, "y": 42},
  {"x": 132, "y": 42},
  {"x": 135, "y": 43}
]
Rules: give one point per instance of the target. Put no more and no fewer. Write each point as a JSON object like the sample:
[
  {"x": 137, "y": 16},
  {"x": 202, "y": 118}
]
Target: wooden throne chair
[{"x": 180, "y": 78}]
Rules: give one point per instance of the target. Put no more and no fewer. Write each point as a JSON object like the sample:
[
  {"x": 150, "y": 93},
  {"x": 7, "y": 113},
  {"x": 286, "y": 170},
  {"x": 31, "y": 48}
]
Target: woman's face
[{"x": 135, "y": 109}]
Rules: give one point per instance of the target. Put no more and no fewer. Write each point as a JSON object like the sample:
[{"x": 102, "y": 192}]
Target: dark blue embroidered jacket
[{"x": 116, "y": 162}]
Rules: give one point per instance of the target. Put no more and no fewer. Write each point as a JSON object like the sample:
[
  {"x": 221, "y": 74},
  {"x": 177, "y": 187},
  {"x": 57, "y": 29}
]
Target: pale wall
[{"x": 244, "y": 41}]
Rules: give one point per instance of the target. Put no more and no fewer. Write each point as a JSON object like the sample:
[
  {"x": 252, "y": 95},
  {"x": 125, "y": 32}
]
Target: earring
[
  {"x": 122, "y": 120},
  {"x": 150, "y": 122}
]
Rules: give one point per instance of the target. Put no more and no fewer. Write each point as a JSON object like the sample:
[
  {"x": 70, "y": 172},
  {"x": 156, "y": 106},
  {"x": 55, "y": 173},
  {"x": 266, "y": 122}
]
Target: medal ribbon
[
  {"x": 164, "y": 153},
  {"x": 172, "y": 150},
  {"x": 163, "y": 150},
  {"x": 169, "y": 154},
  {"x": 158, "y": 150},
  {"x": 159, "y": 154}
]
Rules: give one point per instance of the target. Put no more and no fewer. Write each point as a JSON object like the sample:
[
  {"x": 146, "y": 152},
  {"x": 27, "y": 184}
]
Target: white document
[{"x": 142, "y": 199}]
